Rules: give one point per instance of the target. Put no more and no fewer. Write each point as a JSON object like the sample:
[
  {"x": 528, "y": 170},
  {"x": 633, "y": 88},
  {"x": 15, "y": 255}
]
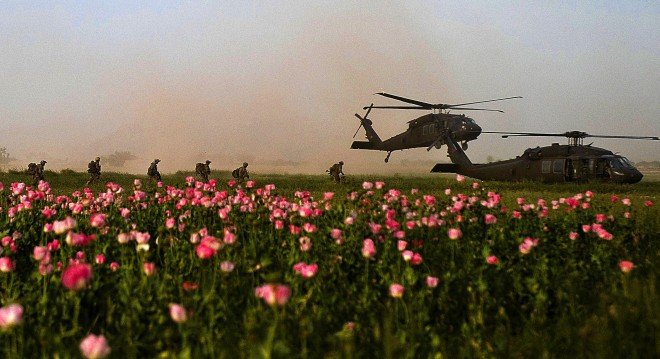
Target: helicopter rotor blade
[
  {"x": 363, "y": 119},
  {"x": 570, "y": 134},
  {"x": 521, "y": 134},
  {"x": 407, "y": 100},
  {"x": 358, "y": 129},
  {"x": 369, "y": 110},
  {"x": 653, "y": 138},
  {"x": 400, "y": 107},
  {"x": 497, "y": 99},
  {"x": 472, "y": 109}
]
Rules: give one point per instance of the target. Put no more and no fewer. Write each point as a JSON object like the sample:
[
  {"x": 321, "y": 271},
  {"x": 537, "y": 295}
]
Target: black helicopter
[
  {"x": 425, "y": 131},
  {"x": 574, "y": 162}
]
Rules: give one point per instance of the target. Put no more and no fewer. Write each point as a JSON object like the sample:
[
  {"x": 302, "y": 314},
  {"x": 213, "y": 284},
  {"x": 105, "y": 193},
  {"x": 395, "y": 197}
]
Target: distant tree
[
  {"x": 5, "y": 158},
  {"x": 119, "y": 158}
]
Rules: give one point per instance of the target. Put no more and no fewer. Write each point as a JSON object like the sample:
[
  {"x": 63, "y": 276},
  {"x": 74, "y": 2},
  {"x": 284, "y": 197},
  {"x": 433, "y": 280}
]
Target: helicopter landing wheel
[
  {"x": 387, "y": 159},
  {"x": 464, "y": 146}
]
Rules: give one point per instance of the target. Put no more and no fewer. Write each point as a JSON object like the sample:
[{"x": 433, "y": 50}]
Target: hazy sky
[{"x": 277, "y": 83}]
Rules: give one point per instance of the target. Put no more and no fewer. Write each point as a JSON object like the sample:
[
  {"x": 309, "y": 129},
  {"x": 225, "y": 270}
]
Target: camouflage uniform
[
  {"x": 152, "y": 172},
  {"x": 36, "y": 171},
  {"x": 241, "y": 173},
  {"x": 203, "y": 170},
  {"x": 40, "y": 170},
  {"x": 94, "y": 170},
  {"x": 336, "y": 170}
]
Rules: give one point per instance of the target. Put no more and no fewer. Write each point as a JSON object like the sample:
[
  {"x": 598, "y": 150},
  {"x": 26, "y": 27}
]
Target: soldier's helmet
[
  {"x": 207, "y": 162},
  {"x": 245, "y": 164},
  {"x": 341, "y": 163},
  {"x": 97, "y": 159},
  {"x": 43, "y": 162},
  {"x": 156, "y": 160}
]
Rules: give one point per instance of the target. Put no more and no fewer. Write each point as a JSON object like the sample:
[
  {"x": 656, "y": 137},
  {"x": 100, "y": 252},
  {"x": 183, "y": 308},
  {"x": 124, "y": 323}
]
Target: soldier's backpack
[
  {"x": 235, "y": 172},
  {"x": 91, "y": 167},
  {"x": 200, "y": 168},
  {"x": 32, "y": 169}
]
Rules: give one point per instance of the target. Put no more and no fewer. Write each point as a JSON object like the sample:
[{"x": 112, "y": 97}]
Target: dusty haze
[{"x": 277, "y": 84}]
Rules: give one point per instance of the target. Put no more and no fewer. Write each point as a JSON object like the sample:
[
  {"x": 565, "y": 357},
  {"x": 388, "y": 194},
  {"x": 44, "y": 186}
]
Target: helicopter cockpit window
[
  {"x": 558, "y": 166},
  {"x": 545, "y": 166},
  {"x": 431, "y": 129},
  {"x": 620, "y": 162},
  {"x": 626, "y": 162},
  {"x": 425, "y": 130}
]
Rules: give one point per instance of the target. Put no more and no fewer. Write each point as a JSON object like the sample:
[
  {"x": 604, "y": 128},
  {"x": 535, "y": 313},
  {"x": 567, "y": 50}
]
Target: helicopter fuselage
[
  {"x": 556, "y": 163},
  {"x": 425, "y": 130}
]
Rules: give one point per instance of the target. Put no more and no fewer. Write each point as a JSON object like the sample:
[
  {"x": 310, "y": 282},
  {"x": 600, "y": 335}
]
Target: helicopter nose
[{"x": 474, "y": 131}]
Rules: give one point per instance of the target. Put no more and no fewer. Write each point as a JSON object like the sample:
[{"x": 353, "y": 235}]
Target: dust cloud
[{"x": 277, "y": 84}]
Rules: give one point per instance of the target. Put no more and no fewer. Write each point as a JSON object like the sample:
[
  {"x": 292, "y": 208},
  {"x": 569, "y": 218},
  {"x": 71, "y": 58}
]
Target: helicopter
[
  {"x": 425, "y": 131},
  {"x": 574, "y": 162}
]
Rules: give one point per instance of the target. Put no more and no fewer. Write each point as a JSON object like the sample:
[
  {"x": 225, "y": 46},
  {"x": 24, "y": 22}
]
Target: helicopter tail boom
[
  {"x": 363, "y": 145},
  {"x": 445, "y": 167}
]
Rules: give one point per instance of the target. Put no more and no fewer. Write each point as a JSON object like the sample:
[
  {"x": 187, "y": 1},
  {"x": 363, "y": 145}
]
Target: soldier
[
  {"x": 152, "y": 172},
  {"x": 40, "y": 170},
  {"x": 241, "y": 172},
  {"x": 203, "y": 170},
  {"x": 94, "y": 170},
  {"x": 36, "y": 171},
  {"x": 336, "y": 170}
]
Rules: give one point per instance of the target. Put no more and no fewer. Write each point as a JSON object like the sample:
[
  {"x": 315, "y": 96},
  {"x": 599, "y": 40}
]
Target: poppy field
[{"x": 298, "y": 266}]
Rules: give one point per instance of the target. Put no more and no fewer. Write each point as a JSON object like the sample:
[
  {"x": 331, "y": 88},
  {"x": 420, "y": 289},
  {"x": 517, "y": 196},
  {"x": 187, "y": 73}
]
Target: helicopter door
[
  {"x": 558, "y": 169},
  {"x": 570, "y": 172}
]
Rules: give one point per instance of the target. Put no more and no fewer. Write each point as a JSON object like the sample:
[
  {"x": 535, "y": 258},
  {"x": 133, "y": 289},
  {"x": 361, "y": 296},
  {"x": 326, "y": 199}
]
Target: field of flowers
[{"x": 363, "y": 269}]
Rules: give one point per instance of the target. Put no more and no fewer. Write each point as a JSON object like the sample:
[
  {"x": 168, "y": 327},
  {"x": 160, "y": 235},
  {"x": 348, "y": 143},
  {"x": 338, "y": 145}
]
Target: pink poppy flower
[
  {"x": 149, "y": 268},
  {"x": 114, "y": 266},
  {"x": 39, "y": 252},
  {"x": 401, "y": 245},
  {"x": 407, "y": 255},
  {"x": 573, "y": 236},
  {"x": 368, "y": 248},
  {"x": 204, "y": 252},
  {"x": 490, "y": 219},
  {"x": 178, "y": 313},
  {"x": 367, "y": 185},
  {"x": 432, "y": 282},
  {"x": 454, "y": 233},
  {"x": 76, "y": 276},
  {"x": 492, "y": 260},
  {"x": 6, "y": 265},
  {"x": 10, "y": 316},
  {"x": 305, "y": 243},
  {"x": 227, "y": 266},
  {"x": 626, "y": 266},
  {"x": 99, "y": 259},
  {"x": 273, "y": 294},
  {"x": 416, "y": 259},
  {"x": 396, "y": 290},
  {"x": 94, "y": 347},
  {"x": 527, "y": 245},
  {"x": 97, "y": 220}
]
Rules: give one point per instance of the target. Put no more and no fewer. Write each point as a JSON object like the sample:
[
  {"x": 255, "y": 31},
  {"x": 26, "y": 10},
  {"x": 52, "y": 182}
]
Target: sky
[{"x": 276, "y": 83}]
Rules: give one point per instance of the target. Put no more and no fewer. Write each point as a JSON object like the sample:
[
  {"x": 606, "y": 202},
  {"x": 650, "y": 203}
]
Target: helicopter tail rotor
[{"x": 363, "y": 119}]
